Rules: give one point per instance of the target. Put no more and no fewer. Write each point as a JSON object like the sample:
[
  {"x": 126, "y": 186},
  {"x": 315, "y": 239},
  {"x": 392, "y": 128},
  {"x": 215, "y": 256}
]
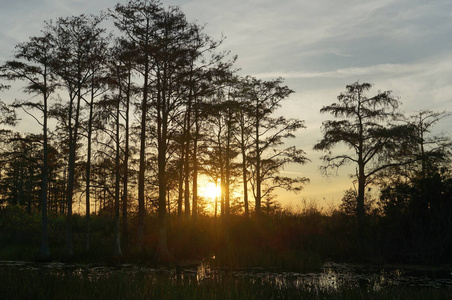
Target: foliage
[
  {"x": 368, "y": 127},
  {"x": 7, "y": 114},
  {"x": 18, "y": 226},
  {"x": 348, "y": 203},
  {"x": 286, "y": 240},
  {"x": 417, "y": 214},
  {"x": 268, "y": 133}
]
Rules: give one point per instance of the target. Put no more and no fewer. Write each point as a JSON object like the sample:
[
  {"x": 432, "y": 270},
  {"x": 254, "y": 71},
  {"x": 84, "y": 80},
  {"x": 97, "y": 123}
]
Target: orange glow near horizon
[{"x": 208, "y": 190}]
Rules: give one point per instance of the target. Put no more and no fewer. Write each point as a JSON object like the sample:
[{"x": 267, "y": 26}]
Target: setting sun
[{"x": 208, "y": 190}]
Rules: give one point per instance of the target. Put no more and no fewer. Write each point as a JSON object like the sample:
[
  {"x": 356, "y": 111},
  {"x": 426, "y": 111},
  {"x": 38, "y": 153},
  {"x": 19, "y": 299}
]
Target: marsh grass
[
  {"x": 292, "y": 241},
  {"x": 44, "y": 284},
  {"x": 19, "y": 252}
]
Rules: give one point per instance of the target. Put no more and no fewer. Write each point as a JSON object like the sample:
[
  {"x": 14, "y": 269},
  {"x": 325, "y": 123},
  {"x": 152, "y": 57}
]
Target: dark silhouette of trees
[
  {"x": 96, "y": 86},
  {"x": 364, "y": 125},
  {"x": 170, "y": 58},
  {"x": 348, "y": 203},
  {"x": 136, "y": 20},
  {"x": 123, "y": 56},
  {"x": 214, "y": 156},
  {"x": 141, "y": 117},
  {"x": 21, "y": 170},
  {"x": 7, "y": 114},
  {"x": 32, "y": 65},
  {"x": 243, "y": 137},
  {"x": 205, "y": 72},
  {"x": 75, "y": 41},
  {"x": 269, "y": 133},
  {"x": 241, "y": 121},
  {"x": 416, "y": 198},
  {"x": 429, "y": 150},
  {"x": 7, "y": 117}
]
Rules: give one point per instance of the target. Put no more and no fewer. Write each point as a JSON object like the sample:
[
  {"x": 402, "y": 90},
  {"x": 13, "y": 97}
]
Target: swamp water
[{"x": 331, "y": 277}]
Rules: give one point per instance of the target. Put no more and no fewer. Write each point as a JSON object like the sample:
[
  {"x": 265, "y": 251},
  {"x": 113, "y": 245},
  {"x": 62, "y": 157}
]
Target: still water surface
[{"x": 330, "y": 277}]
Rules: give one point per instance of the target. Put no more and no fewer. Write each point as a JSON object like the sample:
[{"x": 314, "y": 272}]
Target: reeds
[{"x": 45, "y": 284}]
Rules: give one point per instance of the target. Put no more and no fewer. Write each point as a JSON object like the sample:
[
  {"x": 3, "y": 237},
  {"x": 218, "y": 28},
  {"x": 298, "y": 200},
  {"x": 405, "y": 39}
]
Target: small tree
[
  {"x": 348, "y": 202},
  {"x": 430, "y": 150}
]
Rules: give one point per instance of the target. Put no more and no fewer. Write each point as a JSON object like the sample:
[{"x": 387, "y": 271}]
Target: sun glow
[{"x": 208, "y": 190}]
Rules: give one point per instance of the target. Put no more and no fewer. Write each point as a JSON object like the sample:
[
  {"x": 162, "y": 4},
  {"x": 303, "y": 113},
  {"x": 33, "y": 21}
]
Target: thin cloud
[
  {"x": 346, "y": 72},
  {"x": 318, "y": 46}
]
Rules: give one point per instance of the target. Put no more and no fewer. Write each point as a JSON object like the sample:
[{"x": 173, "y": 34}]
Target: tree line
[
  {"x": 139, "y": 114},
  {"x": 399, "y": 154}
]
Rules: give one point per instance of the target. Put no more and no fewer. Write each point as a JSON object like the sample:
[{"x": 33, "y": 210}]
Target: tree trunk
[
  {"x": 44, "y": 251},
  {"x": 88, "y": 170},
  {"x": 227, "y": 166},
  {"x": 216, "y": 200},
  {"x": 162, "y": 248},
  {"x": 181, "y": 181},
  {"x": 187, "y": 160},
  {"x": 117, "y": 253},
  {"x": 162, "y": 131},
  {"x": 142, "y": 168},
  {"x": 195, "y": 165},
  {"x": 360, "y": 211},
  {"x": 30, "y": 189},
  {"x": 125, "y": 192},
  {"x": 222, "y": 182},
  {"x": 245, "y": 182},
  {"x": 195, "y": 182},
  {"x": 258, "y": 167},
  {"x": 69, "y": 250}
]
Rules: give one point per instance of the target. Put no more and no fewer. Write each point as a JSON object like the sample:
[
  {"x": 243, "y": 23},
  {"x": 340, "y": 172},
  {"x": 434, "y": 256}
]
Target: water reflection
[{"x": 331, "y": 277}]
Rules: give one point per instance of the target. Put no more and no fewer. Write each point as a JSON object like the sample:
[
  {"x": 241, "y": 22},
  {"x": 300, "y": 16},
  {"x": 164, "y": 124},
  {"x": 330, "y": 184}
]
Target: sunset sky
[{"x": 316, "y": 46}]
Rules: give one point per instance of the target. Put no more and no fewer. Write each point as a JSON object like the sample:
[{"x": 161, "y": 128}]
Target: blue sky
[{"x": 317, "y": 46}]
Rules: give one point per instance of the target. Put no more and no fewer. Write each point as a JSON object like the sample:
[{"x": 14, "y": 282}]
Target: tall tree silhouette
[
  {"x": 216, "y": 157},
  {"x": 243, "y": 137},
  {"x": 32, "y": 65},
  {"x": 124, "y": 54},
  {"x": 267, "y": 157},
  {"x": 73, "y": 39},
  {"x": 431, "y": 149},
  {"x": 172, "y": 58},
  {"x": 136, "y": 20},
  {"x": 96, "y": 60},
  {"x": 364, "y": 125}
]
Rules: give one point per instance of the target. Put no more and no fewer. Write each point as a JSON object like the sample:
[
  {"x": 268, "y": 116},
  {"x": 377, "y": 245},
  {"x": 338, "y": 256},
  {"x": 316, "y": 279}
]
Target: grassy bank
[
  {"x": 278, "y": 241},
  {"x": 288, "y": 241}
]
